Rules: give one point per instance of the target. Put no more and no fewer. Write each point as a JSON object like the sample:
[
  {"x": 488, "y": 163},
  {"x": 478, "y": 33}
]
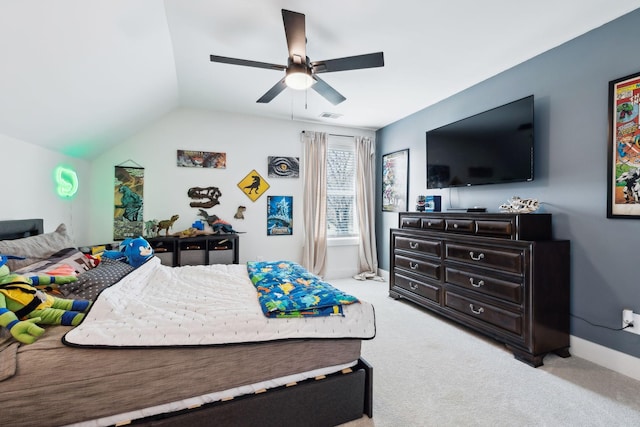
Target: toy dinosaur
[
  {"x": 167, "y": 224},
  {"x": 23, "y": 305},
  {"x": 217, "y": 225}
]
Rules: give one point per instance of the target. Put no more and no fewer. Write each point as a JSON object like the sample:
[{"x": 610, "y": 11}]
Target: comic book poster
[
  {"x": 128, "y": 202},
  {"x": 624, "y": 148},
  {"x": 279, "y": 215}
]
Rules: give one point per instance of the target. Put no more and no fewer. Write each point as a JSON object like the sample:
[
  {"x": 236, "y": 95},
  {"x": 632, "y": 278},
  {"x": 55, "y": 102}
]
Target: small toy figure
[
  {"x": 217, "y": 225},
  {"x": 23, "y": 304},
  {"x": 240, "y": 212},
  {"x": 151, "y": 228},
  {"x": 134, "y": 251},
  {"x": 167, "y": 224},
  {"x": 519, "y": 205}
]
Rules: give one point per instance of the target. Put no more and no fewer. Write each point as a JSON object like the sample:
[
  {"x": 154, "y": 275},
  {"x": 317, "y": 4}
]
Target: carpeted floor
[{"x": 431, "y": 372}]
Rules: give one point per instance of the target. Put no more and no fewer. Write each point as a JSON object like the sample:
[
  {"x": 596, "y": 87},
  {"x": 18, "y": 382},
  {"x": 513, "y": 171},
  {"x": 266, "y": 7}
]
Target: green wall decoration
[{"x": 66, "y": 182}]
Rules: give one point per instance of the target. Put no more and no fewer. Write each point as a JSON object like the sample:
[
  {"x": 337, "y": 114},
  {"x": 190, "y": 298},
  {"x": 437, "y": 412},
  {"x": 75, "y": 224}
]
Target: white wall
[
  {"x": 247, "y": 141},
  {"x": 29, "y": 188}
]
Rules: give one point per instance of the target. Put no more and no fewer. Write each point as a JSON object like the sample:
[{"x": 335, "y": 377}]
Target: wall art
[
  {"x": 279, "y": 215},
  {"x": 201, "y": 159},
  {"x": 283, "y": 167},
  {"x": 204, "y": 197},
  {"x": 253, "y": 185},
  {"x": 395, "y": 181},
  {"x": 623, "y": 189},
  {"x": 128, "y": 202}
]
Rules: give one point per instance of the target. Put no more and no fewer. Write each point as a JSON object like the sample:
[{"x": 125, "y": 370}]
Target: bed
[{"x": 313, "y": 378}]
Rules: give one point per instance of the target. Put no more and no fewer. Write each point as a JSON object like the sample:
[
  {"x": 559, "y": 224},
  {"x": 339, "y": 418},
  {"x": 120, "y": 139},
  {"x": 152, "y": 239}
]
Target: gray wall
[{"x": 570, "y": 84}]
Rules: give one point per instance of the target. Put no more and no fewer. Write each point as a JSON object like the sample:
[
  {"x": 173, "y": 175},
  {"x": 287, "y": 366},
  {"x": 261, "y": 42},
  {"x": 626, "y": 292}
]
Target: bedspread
[
  {"x": 156, "y": 305},
  {"x": 286, "y": 289}
]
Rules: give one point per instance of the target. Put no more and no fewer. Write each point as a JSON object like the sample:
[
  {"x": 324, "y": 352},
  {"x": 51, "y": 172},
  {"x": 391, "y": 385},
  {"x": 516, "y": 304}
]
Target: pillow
[
  {"x": 36, "y": 248},
  {"x": 92, "y": 282},
  {"x": 67, "y": 262}
]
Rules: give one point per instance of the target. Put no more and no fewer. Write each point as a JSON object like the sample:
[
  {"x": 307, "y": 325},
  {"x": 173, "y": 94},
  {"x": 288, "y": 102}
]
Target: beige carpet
[{"x": 431, "y": 372}]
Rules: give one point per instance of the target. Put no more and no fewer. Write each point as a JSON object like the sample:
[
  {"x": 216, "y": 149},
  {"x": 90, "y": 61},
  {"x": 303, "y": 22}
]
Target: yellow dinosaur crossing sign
[{"x": 253, "y": 185}]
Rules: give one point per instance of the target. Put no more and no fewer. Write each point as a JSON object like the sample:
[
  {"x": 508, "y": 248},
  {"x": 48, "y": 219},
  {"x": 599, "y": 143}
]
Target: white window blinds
[{"x": 341, "y": 188}]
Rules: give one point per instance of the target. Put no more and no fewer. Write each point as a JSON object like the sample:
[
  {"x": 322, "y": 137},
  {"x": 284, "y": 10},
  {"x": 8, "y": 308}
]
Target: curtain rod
[{"x": 335, "y": 134}]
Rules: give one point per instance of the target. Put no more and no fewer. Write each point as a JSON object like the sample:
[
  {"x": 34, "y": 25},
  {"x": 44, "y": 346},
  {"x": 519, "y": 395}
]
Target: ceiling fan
[{"x": 300, "y": 72}]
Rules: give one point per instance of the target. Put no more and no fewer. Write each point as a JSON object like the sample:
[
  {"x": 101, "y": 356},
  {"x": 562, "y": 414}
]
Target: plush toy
[
  {"x": 23, "y": 304},
  {"x": 134, "y": 251}
]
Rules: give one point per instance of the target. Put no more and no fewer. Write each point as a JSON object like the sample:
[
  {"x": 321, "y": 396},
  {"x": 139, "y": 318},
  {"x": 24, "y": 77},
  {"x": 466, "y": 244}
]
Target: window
[{"x": 341, "y": 189}]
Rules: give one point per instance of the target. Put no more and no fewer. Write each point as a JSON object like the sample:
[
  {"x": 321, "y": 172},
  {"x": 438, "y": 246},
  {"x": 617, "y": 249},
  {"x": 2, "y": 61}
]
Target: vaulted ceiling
[{"x": 81, "y": 75}]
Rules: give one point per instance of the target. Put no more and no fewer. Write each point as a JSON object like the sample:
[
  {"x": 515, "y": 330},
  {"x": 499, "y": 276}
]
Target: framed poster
[
  {"x": 623, "y": 167},
  {"x": 279, "y": 215},
  {"x": 201, "y": 159},
  {"x": 395, "y": 181},
  {"x": 283, "y": 167}
]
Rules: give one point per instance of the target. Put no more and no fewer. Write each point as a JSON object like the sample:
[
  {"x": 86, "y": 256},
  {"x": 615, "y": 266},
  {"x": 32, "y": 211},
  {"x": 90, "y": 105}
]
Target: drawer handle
[
  {"x": 476, "y": 257},
  {"x": 429, "y": 224},
  {"x": 455, "y": 225},
  {"x": 413, "y": 286},
  {"x": 474, "y": 284},
  {"x": 413, "y": 266},
  {"x": 413, "y": 245},
  {"x": 474, "y": 311}
]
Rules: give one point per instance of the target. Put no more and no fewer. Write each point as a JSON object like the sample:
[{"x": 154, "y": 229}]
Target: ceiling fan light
[{"x": 299, "y": 80}]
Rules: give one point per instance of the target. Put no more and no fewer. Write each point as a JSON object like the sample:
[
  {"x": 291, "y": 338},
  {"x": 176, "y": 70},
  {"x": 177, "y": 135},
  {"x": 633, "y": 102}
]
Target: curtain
[
  {"x": 315, "y": 201},
  {"x": 365, "y": 207}
]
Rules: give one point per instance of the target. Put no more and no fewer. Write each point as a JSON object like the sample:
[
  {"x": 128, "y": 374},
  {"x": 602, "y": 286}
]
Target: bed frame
[{"x": 325, "y": 401}]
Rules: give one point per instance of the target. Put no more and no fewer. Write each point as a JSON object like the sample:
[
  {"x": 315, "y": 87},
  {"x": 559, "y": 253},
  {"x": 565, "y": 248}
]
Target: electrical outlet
[{"x": 628, "y": 316}]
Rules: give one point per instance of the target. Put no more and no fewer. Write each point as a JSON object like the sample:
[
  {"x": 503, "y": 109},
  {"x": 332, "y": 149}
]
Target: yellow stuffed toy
[{"x": 23, "y": 304}]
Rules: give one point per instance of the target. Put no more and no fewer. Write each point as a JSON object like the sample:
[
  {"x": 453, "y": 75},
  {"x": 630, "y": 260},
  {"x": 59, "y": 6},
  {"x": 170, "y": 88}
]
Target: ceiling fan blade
[
  {"x": 247, "y": 63},
  {"x": 294, "y": 29},
  {"x": 323, "y": 88},
  {"x": 273, "y": 92},
  {"x": 370, "y": 60}
]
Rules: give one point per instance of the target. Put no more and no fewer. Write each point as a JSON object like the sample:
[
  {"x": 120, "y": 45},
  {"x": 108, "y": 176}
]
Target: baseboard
[{"x": 606, "y": 357}]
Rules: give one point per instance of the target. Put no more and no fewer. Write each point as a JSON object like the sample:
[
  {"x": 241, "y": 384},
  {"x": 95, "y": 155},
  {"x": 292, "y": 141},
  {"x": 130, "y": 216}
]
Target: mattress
[
  {"x": 56, "y": 385},
  {"x": 156, "y": 305}
]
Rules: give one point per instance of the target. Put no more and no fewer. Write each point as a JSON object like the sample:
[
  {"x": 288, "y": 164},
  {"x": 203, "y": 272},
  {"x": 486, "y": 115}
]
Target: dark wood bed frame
[{"x": 326, "y": 401}]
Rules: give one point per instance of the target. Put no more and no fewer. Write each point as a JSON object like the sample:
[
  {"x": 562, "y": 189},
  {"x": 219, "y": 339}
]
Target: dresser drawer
[
  {"x": 507, "y": 320},
  {"x": 410, "y": 222},
  {"x": 423, "y": 246},
  {"x": 423, "y": 289},
  {"x": 503, "y": 289},
  {"x": 433, "y": 224},
  {"x": 509, "y": 260},
  {"x": 494, "y": 228},
  {"x": 458, "y": 225},
  {"x": 419, "y": 266}
]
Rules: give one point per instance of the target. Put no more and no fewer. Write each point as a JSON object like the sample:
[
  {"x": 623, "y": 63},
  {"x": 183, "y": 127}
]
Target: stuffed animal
[
  {"x": 23, "y": 304},
  {"x": 134, "y": 251}
]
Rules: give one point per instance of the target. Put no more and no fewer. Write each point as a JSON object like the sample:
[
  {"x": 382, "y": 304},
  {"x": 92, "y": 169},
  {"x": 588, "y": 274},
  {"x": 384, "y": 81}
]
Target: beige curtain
[
  {"x": 365, "y": 206},
  {"x": 315, "y": 201}
]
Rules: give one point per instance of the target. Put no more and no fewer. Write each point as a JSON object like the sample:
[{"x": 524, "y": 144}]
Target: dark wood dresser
[{"x": 500, "y": 274}]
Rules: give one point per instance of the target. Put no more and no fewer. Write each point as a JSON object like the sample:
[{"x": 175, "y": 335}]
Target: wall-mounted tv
[{"x": 492, "y": 147}]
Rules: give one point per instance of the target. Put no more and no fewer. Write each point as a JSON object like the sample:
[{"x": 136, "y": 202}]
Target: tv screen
[{"x": 493, "y": 147}]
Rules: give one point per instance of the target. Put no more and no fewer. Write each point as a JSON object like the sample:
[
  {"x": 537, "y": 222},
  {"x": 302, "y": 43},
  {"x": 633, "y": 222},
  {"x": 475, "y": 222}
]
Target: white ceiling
[{"x": 80, "y": 75}]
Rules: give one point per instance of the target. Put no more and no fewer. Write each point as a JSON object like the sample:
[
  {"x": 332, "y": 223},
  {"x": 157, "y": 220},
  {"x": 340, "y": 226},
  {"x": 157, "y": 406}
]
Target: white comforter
[{"x": 156, "y": 305}]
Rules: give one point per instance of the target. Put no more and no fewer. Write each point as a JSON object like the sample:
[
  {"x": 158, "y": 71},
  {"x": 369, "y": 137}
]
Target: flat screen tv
[{"x": 492, "y": 147}]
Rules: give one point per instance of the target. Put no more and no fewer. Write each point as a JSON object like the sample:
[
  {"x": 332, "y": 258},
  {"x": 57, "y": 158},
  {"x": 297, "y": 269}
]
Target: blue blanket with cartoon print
[{"x": 286, "y": 289}]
